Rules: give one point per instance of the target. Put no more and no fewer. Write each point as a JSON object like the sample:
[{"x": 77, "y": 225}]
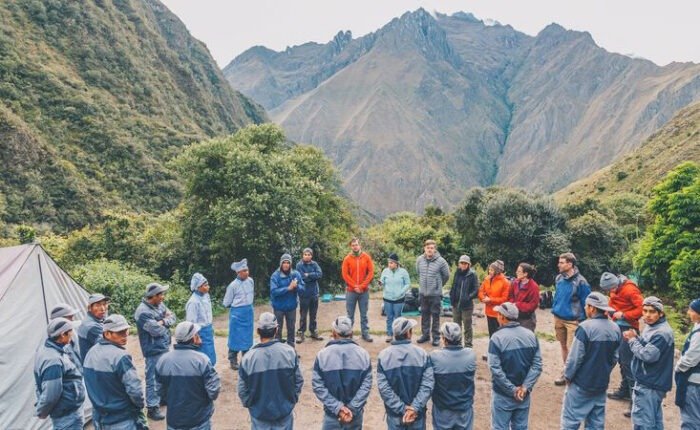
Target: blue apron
[
  {"x": 240, "y": 328},
  {"x": 206, "y": 333}
]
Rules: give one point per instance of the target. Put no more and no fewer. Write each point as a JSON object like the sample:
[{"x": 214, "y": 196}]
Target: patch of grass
[{"x": 549, "y": 337}]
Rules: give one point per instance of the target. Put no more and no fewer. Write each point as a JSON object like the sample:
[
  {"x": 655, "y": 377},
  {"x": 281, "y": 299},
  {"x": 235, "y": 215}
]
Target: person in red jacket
[
  {"x": 627, "y": 301},
  {"x": 358, "y": 271},
  {"x": 525, "y": 293}
]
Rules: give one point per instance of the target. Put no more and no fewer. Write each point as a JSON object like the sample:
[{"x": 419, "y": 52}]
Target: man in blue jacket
[
  {"x": 454, "y": 368},
  {"x": 652, "y": 365},
  {"x": 285, "y": 285},
  {"x": 310, "y": 273},
  {"x": 405, "y": 379},
  {"x": 571, "y": 290},
  {"x": 112, "y": 382},
  {"x": 59, "y": 386},
  {"x": 592, "y": 357},
  {"x": 90, "y": 329},
  {"x": 153, "y": 321},
  {"x": 270, "y": 379},
  {"x": 342, "y": 378},
  {"x": 188, "y": 381},
  {"x": 516, "y": 364}
]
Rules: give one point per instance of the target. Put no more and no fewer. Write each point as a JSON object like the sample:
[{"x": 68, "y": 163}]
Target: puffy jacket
[
  {"x": 190, "y": 385},
  {"x": 89, "y": 332},
  {"x": 395, "y": 284},
  {"x": 593, "y": 354},
  {"x": 404, "y": 377},
  {"x": 270, "y": 380},
  {"x": 59, "y": 384},
  {"x": 433, "y": 273},
  {"x": 570, "y": 296},
  {"x": 112, "y": 383},
  {"x": 497, "y": 288},
  {"x": 526, "y": 298},
  {"x": 514, "y": 359},
  {"x": 454, "y": 368},
  {"x": 652, "y": 364},
  {"x": 310, "y": 272},
  {"x": 342, "y": 376},
  {"x": 358, "y": 270},
  {"x": 465, "y": 288},
  {"x": 627, "y": 299},
  {"x": 153, "y": 337},
  {"x": 281, "y": 298}
]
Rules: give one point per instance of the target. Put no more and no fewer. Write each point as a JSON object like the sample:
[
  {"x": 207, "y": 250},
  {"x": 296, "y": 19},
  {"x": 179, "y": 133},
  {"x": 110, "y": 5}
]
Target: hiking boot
[
  {"x": 388, "y": 339},
  {"x": 234, "y": 363},
  {"x": 436, "y": 342},
  {"x": 620, "y": 394},
  {"x": 628, "y": 413},
  {"x": 423, "y": 339},
  {"x": 367, "y": 338},
  {"x": 560, "y": 381},
  {"x": 154, "y": 414},
  {"x": 301, "y": 338},
  {"x": 316, "y": 336}
]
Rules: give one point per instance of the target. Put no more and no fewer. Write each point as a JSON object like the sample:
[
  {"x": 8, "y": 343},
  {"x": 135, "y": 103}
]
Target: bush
[{"x": 126, "y": 286}]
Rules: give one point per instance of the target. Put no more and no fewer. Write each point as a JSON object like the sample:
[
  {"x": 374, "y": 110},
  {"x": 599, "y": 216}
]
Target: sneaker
[
  {"x": 423, "y": 339},
  {"x": 367, "y": 338},
  {"x": 619, "y": 394},
  {"x": 388, "y": 339},
  {"x": 154, "y": 414},
  {"x": 436, "y": 342},
  {"x": 316, "y": 336},
  {"x": 559, "y": 382}
]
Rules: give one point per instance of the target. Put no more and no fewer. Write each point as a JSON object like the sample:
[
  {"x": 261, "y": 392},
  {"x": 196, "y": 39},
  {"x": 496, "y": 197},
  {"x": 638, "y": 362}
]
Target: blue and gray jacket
[
  {"x": 59, "y": 384},
  {"x": 593, "y": 354},
  {"x": 454, "y": 368},
  {"x": 190, "y": 385},
  {"x": 281, "y": 298},
  {"x": 310, "y": 272},
  {"x": 342, "y": 376},
  {"x": 570, "y": 296},
  {"x": 652, "y": 364},
  {"x": 404, "y": 378},
  {"x": 514, "y": 359},
  {"x": 113, "y": 385},
  {"x": 270, "y": 380},
  {"x": 89, "y": 332},
  {"x": 153, "y": 337}
]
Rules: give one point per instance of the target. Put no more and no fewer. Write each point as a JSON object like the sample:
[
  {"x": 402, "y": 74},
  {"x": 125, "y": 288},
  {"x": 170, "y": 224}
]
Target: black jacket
[{"x": 465, "y": 287}]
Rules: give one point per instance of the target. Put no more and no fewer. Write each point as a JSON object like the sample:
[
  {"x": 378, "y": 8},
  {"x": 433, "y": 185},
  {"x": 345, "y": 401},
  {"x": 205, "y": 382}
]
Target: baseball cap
[
  {"x": 402, "y": 325},
  {"x": 599, "y": 301},
  {"x": 343, "y": 326},
  {"x": 508, "y": 310},
  {"x": 155, "y": 288},
  {"x": 267, "y": 321},
  {"x": 186, "y": 331},
  {"x": 96, "y": 298},
  {"x": 115, "y": 323},
  {"x": 58, "y": 326},
  {"x": 62, "y": 310},
  {"x": 451, "y": 332}
]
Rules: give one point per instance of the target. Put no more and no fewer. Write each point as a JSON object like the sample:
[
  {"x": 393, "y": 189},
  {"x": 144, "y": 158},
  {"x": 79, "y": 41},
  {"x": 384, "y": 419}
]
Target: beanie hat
[
  {"x": 285, "y": 257},
  {"x": 608, "y": 281},
  {"x": 394, "y": 257},
  {"x": 309, "y": 250},
  {"x": 695, "y": 305},
  {"x": 498, "y": 266}
]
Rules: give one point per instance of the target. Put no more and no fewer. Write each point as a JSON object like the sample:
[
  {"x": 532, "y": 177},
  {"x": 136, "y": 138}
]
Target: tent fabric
[{"x": 31, "y": 283}]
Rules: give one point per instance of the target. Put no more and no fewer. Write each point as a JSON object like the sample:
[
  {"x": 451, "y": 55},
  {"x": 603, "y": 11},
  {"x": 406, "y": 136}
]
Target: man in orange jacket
[
  {"x": 358, "y": 271},
  {"x": 627, "y": 301}
]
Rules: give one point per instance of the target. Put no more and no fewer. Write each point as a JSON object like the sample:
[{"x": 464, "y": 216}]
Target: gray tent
[{"x": 31, "y": 283}]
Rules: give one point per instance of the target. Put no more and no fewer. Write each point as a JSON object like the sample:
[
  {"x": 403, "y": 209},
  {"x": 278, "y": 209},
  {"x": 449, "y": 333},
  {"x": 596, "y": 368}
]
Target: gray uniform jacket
[{"x": 404, "y": 377}]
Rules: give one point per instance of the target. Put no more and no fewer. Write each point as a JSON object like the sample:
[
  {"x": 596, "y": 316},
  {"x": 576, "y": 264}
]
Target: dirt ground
[{"x": 546, "y": 401}]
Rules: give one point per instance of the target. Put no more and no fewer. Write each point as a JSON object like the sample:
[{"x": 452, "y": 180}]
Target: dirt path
[{"x": 546, "y": 401}]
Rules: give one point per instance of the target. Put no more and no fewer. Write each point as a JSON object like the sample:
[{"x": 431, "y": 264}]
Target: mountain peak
[{"x": 555, "y": 31}]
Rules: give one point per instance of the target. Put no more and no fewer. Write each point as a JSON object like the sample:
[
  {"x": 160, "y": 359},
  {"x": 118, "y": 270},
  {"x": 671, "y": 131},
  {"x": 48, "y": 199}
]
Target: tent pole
[{"x": 43, "y": 291}]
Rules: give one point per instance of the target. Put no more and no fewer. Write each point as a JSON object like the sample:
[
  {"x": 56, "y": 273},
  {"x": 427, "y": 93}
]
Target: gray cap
[
  {"x": 96, "y": 298},
  {"x": 115, "y": 323},
  {"x": 402, "y": 325},
  {"x": 343, "y": 326},
  {"x": 58, "y": 326},
  {"x": 267, "y": 321},
  {"x": 238, "y": 266},
  {"x": 465, "y": 259},
  {"x": 599, "y": 301},
  {"x": 451, "y": 332},
  {"x": 186, "y": 331},
  {"x": 62, "y": 310},
  {"x": 309, "y": 250},
  {"x": 508, "y": 310},
  {"x": 155, "y": 288},
  {"x": 655, "y": 302},
  {"x": 608, "y": 281}
]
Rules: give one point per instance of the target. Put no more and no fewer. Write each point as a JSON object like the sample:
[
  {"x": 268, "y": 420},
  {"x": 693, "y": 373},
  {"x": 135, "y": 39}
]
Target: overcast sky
[{"x": 661, "y": 31}]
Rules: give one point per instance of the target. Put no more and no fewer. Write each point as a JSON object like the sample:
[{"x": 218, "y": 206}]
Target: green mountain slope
[
  {"x": 637, "y": 172},
  {"x": 95, "y": 98}
]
